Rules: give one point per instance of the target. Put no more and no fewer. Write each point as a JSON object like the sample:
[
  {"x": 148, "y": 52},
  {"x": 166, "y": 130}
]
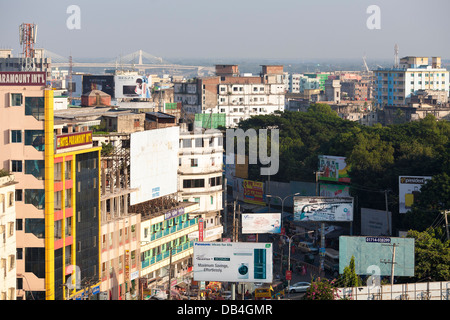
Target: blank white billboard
[
  {"x": 233, "y": 261},
  {"x": 153, "y": 163}
]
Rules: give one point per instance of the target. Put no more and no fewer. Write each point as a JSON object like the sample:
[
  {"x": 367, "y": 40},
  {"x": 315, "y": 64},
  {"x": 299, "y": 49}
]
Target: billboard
[
  {"x": 375, "y": 253},
  {"x": 323, "y": 209},
  {"x": 153, "y": 163},
  {"x": 73, "y": 140},
  {"x": 254, "y": 192},
  {"x": 334, "y": 190},
  {"x": 408, "y": 188},
  {"x": 261, "y": 223},
  {"x": 375, "y": 222},
  {"x": 103, "y": 83},
  {"x": 334, "y": 169},
  {"x": 233, "y": 261},
  {"x": 132, "y": 86}
]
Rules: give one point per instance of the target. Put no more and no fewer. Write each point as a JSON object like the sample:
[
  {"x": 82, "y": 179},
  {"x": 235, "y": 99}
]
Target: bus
[{"x": 331, "y": 261}]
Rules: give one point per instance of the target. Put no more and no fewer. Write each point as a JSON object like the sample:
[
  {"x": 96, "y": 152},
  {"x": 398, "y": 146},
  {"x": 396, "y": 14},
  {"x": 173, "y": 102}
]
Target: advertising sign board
[
  {"x": 333, "y": 168},
  {"x": 73, "y": 140},
  {"x": 132, "y": 86},
  {"x": 376, "y": 253},
  {"x": 254, "y": 192},
  {"x": 323, "y": 209},
  {"x": 408, "y": 188},
  {"x": 261, "y": 223},
  {"x": 233, "y": 261},
  {"x": 156, "y": 151}
]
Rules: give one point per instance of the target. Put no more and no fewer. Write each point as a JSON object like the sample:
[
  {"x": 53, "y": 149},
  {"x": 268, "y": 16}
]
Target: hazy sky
[{"x": 282, "y": 29}]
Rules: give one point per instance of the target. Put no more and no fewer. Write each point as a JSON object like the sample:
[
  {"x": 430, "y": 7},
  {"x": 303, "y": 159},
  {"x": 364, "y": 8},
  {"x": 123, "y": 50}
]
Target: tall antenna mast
[
  {"x": 396, "y": 56},
  {"x": 27, "y": 39}
]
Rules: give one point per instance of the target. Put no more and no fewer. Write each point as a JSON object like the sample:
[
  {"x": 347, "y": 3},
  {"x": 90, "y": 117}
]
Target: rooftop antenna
[
  {"x": 27, "y": 39},
  {"x": 396, "y": 56}
]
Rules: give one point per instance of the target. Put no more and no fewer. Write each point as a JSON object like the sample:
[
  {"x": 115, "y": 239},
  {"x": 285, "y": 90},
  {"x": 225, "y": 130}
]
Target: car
[
  {"x": 299, "y": 287},
  {"x": 307, "y": 247},
  {"x": 226, "y": 295}
]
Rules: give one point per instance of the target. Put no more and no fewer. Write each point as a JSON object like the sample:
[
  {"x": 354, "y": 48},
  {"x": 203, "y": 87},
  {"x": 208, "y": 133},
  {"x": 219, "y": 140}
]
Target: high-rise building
[
  {"x": 393, "y": 85},
  {"x": 200, "y": 176},
  {"x": 8, "y": 227},
  {"x": 58, "y": 194}
]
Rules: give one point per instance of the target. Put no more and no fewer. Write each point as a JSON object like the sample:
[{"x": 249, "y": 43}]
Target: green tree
[
  {"x": 432, "y": 256},
  {"x": 107, "y": 149},
  {"x": 349, "y": 278}
]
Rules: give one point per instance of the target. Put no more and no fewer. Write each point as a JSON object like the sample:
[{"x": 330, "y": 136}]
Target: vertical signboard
[
  {"x": 200, "y": 230},
  {"x": 408, "y": 188}
]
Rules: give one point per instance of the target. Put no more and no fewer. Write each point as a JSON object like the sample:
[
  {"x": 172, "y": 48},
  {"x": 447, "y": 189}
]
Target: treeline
[{"x": 377, "y": 155}]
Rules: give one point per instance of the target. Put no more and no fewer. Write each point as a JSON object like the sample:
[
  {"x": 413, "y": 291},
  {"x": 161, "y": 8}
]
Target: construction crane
[{"x": 365, "y": 64}]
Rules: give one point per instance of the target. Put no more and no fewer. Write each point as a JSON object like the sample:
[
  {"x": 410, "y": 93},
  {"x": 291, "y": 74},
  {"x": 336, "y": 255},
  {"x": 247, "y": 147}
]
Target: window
[
  {"x": 194, "y": 162},
  {"x": 68, "y": 227},
  {"x": 68, "y": 198},
  {"x": 57, "y": 171},
  {"x": 35, "y": 168},
  {"x": 16, "y": 165},
  {"x": 68, "y": 170},
  {"x": 199, "y": 142},
  {"x": 16, "y": 136},
  {"x": 19, "y": 253},
  {"x": 16, "y": 99},
  {"x": 194, "y": 183},
  {"x": 19, "y": 224},
  {"x": 34, "y": 106},
  {"x": 58, "y": 200},
  {"x": 187, "y": 143},
  {"x": 19, "y": 195},
  {"x": 35, "y": 138},
  {"x": 58, "y": 229}
]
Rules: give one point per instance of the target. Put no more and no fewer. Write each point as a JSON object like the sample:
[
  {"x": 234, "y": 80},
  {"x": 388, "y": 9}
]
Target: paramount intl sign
[{"x": 22, "y": 78}]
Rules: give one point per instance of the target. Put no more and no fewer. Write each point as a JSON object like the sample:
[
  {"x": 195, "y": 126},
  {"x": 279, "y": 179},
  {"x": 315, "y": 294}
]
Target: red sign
[
  {"x": 73, "y": 139},
  {"x": 200, "y": 229},
  {"x": 288, "y": 275},
  {"x": 22, "y": 78}
]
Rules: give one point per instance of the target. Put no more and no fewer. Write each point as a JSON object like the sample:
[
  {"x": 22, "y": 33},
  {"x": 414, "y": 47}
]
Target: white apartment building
[
  {"x": 241, "y": 101},
  {"x": 394, "y": 85},
  {"x": 8, "y": 239},
  {"x": 200, "y": 177},
  {"x": 238, "y": 96}
]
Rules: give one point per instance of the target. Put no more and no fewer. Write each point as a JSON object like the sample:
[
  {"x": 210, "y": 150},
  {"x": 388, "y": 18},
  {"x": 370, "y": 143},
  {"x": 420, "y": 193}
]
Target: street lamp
[
  {"x": 282, "y": 202},
  {"x": 289, "y": 249}
]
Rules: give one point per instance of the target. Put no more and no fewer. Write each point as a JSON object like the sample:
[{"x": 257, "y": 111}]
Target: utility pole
[
  {"x": 392, "y": 262},
  {"x": 387, "y": 212},
  {"x": 170, "y": 273},
  {"x": 446, "y": 222}
]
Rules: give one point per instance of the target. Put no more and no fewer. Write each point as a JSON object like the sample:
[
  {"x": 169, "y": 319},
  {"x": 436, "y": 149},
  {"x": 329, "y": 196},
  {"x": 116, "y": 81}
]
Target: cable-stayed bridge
[{"x": 138, "y": 60}]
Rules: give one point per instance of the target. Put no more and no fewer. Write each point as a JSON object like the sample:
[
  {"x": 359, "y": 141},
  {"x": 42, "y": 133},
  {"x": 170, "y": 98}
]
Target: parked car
[
  {"x": 307, "y": 247},
  {"x": 299, "y": 287}
]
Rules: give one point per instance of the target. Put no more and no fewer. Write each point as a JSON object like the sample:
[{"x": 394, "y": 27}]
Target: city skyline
[{"x": 199, "y": 29}]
